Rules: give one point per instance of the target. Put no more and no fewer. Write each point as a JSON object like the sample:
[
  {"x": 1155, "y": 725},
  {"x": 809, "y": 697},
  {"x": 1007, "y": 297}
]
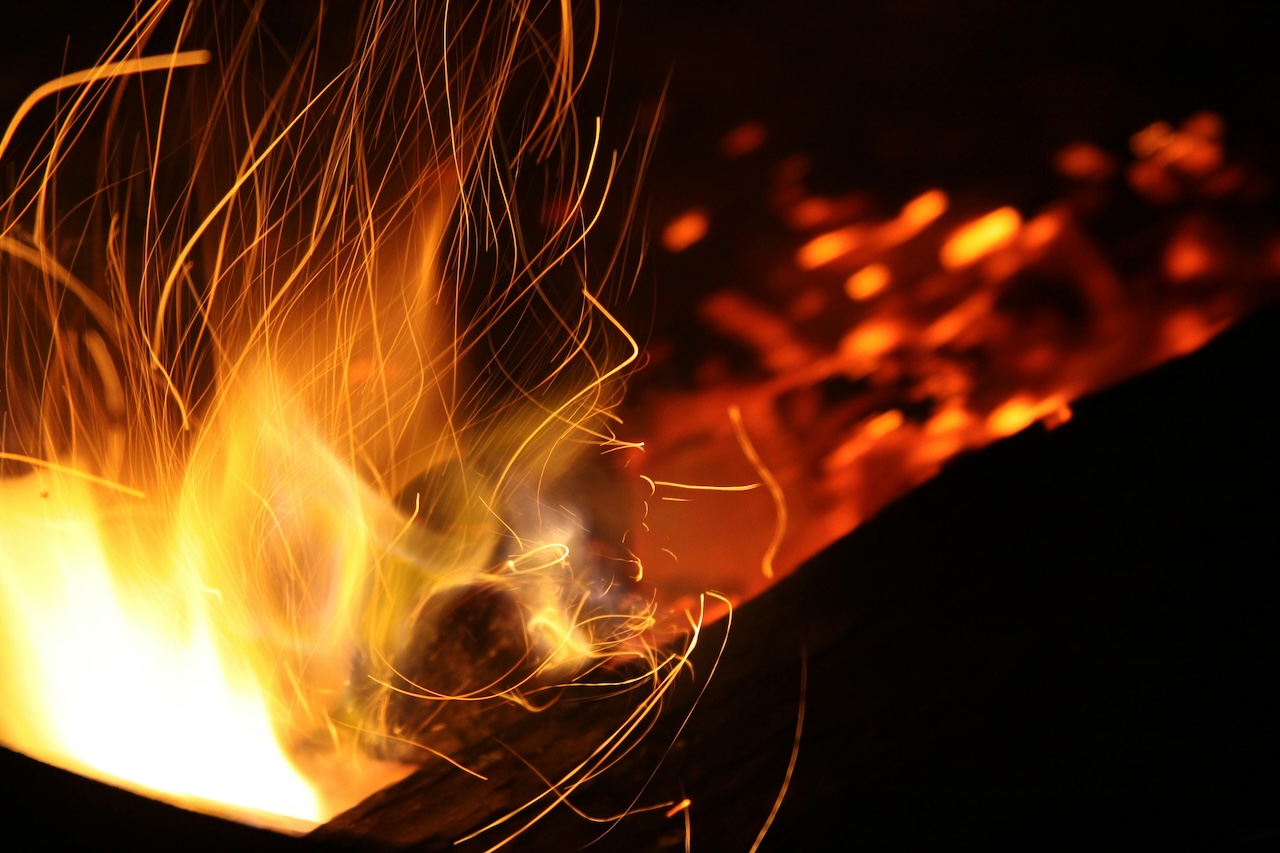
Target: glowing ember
[
  {"x": 292, "y": 378},
  {"x": 980, "y": 238},
  {"x": 878, "y": 348},
  {"x": 685, "y": 230},
  {"x": 743, "y": 139},
  {"x": 867, "y": 282},
  {"x": 829, "y": 247},
  {"x": 1084, "y": 162},
  {"x": 922, "y": 211}
]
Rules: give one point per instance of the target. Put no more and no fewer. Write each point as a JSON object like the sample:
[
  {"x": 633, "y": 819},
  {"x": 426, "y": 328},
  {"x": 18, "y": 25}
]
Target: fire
[
  {"x": 867, "y": 282},
  {"x": 829, "y": 247},
  {"x": 685, "y": 230},
  {"x": 980, "y": 238},
  {"x": 125, "y": 684},
  {"x": 920, "y": 212},
  {"x": 261, "y": 425},
  {"x": 1022, "y": 411}
]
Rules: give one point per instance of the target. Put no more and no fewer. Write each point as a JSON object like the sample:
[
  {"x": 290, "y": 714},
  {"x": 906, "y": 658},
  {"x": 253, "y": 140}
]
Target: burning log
[
  {"x": 1064, "y": 637},
  {"x": 952, "y": 730},
  {"x": 290, "y": 359}
]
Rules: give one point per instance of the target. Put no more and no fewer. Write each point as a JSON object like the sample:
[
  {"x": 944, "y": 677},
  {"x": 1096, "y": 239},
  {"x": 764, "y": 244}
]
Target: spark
[
  {"x": 73, "y": 472},
  {"x": 791, "y": 762},
  {"x": 286, "y": 345},
  {"x": 771, "y": 483},
  {"x": 101, "y": 74}
]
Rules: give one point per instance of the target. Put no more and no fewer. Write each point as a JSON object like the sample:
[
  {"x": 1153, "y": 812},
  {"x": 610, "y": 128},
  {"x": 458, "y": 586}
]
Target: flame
[
  {"x": 921, "y": 212},
  {"x": 828, "y": 247},
  {"x": 980, "y": 238},
  {"x": 246, "y": 456},
  {"x": 1021, "y": 411},
  {"x": 867, "y": 282},
  {"x": 134, "y": 687}
]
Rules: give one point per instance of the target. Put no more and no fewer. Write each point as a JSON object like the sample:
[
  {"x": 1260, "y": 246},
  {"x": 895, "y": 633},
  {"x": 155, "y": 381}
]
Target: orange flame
[
  {"x": 685, "y": 230},
  {"x": 248, "y": 456},
  {"x": 980, "y": 238},
  {"x": 867, "y": 282}
]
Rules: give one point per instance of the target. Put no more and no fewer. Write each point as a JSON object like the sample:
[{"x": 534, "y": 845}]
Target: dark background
[
  {"x": 890, "y": 96},
  {"x": 1076, "y": 640}
]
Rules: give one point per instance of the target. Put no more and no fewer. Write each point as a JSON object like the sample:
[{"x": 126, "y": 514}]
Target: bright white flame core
[{"x": 145, "y": 699}]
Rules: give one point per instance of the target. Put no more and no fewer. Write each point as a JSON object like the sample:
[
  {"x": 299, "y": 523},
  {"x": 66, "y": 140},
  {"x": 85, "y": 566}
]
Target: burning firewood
[
  {"x": 301, "y": 349},
  {"x": 301, "y": 346},
  {"x": 1063, "y": 637}
]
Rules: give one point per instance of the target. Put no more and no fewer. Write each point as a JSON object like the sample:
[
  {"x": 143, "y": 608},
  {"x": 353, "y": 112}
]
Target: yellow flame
[
  {"x": 979, "y": 238},
  {"x": 244, "y": 457},
  {"x": 134, "y": 688},
  {"x": 867, "y": 282},
  {"x": 827, "y": 247}
]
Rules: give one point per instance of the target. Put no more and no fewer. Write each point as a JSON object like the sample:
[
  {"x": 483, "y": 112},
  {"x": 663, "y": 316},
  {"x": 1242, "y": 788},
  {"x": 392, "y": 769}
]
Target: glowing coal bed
[{"x": 394, "y": 523}]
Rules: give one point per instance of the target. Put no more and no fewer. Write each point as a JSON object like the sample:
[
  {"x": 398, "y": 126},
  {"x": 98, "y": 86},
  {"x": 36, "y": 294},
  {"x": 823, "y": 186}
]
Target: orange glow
[
  {"x": 1042, "y": 230},
  {"x": 1206, "y": 125},
  {"x": 685, "y": 230},
  {"x": 737, "y": 316},
  {"x": 847, "y": 453},
  {"x": 812, "y": 212},
  {"x": 923, "y": 210},
  {"x": 950, "y": 419},
  {"x": 915, "y": 216},
  {"x": 1151, "y": 180},
  {"x": 1150, "y": 139},
  {"x": 867, "y": 282},
  {"x": 1021, "y": 411},
  {"x": 743, "y": 139},
  {"x": 1084, "y": 162},
  {"x": 1186, "y": 258},
  {"x": 280, "y": 416},
  {"x": 1187, "y": 331},
  {"x": 871, "y": 340},
  {"x": 949, "y": 326},
  {"x": 950, "y": 340},
  {"x": 883, "y": 424},
  {"x": 1193, "y": 150},
  {"x": 975, "y": 240},
  {"x": 828, "y": 247},
  {"x": 1059, "y": 416},
  {"x": 238, "y": 479},
  {"x": 1196, "y": 156}
]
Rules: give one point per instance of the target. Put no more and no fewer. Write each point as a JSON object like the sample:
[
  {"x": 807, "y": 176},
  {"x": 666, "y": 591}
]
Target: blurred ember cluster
[{"x": 869, "y": 343}]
